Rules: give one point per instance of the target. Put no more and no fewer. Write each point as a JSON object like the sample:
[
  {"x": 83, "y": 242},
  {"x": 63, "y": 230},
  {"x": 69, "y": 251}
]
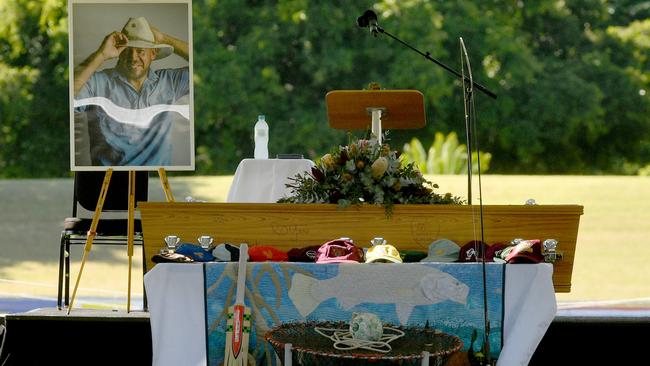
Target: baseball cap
[
  {"x": 383, "y": 252},
  {"x": 221, "y": 254},
  {"x": 442, "y": 250},
  {"x": 306, "y": 254},
  {"x": 472, "y": 251},
  {"x": 526, "y": 251},
  {"x": 195, "y": 252},
  {"x": 493, "y": 252},
  {"x": 263, "y": 253},
  {"x": 226, "y": 252},
  {"x": 339, "y": 251},
  {"x": 171, "y": 258}
]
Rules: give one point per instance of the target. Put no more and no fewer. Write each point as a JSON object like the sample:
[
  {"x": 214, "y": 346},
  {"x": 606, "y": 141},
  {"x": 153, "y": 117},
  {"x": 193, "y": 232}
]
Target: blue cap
[
  {"x": 195, "y": 252},
  {"x": 442, "y": 250}
]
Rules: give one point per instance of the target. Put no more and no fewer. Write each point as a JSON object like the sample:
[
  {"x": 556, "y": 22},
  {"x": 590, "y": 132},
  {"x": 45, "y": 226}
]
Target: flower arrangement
[{"x": 364, "y": 171}]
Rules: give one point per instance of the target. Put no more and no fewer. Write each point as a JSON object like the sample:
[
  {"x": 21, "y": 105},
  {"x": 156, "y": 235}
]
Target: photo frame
[{"x": 131, "y": 87}]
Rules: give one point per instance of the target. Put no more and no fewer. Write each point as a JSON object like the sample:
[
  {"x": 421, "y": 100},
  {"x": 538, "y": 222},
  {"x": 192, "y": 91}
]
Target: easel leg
[
  {"x": 130, "y": 231},
  {"x": 92, "y": 231},
  {"x": 165, "y": 185}
]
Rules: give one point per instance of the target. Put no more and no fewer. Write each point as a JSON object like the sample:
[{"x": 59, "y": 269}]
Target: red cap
[
  {"x": 266, "y": 254},
  {"x": 491, "y": 251},
  {"x": 472, "y": 251},
  {"x": 339, "y": 251},
  {"x": 306, "y": 254}
]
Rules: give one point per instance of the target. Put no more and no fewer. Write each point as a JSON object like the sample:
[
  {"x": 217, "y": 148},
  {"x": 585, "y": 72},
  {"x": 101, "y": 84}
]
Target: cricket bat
[{"x": 238, "y": 325}]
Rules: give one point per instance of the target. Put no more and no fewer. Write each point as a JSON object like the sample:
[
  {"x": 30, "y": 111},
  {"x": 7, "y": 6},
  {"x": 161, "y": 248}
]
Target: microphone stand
[
  {"x": 375, "y": 28},
  {"x": 470, "y": 125},
  {"x": 427, "y": 55},
  {"x": 468, "y": 101}
]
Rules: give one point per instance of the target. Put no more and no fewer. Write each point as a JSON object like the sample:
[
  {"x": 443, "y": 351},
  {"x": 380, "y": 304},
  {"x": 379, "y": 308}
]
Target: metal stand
[{"x": 376, "y": 123}]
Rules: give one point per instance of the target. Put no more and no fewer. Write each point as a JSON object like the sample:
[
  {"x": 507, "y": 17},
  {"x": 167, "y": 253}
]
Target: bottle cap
[{"x": 261, "y": 116}]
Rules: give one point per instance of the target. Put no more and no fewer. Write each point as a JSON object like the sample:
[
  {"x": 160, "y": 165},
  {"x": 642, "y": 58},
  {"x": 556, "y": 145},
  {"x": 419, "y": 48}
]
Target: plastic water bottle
[{"x": 261, "y": 138}]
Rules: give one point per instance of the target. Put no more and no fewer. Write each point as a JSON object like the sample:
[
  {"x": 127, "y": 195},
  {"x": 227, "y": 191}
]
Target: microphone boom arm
[{"x": 427, "y": 55}]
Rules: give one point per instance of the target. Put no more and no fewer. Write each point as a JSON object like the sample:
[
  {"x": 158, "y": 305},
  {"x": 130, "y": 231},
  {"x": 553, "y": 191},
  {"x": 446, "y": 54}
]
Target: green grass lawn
[{"x": 612, "y": 257}]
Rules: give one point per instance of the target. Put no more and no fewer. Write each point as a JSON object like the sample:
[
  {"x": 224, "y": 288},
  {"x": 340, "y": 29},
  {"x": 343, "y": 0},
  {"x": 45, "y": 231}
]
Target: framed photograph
[{"x": 131, "y": 90}]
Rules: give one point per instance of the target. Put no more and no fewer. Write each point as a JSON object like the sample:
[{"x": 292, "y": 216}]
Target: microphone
[{"x": 369, "y": 19}]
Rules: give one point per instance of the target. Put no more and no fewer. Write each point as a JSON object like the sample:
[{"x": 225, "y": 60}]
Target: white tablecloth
[
  {"x": 263, "y": 180},
  {"x": 176, "y": 299}
]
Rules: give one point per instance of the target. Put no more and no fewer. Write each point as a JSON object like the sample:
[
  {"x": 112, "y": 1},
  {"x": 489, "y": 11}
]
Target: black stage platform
[
  {"x": 96, "y": 337},
  {"x": 85, "y": 337}
]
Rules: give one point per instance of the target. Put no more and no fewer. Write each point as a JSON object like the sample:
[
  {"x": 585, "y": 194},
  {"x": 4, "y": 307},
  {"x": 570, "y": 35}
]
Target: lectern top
[{"x": 352, "y": 109}]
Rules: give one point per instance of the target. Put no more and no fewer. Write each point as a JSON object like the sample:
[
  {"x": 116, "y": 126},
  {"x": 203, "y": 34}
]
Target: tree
[
  {"x": 571, "y": 79},
  {"x": 278, "y": 59},
  {"x": 33, "y": 78}
]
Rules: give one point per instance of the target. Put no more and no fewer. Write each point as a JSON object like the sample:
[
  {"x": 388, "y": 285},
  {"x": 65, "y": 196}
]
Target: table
[
  {"x": 263, "y": 180},
  {"x": 176, "y": 300}
]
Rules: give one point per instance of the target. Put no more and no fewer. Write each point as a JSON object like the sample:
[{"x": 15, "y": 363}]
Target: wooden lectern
[{"x": 394, "y": 109}]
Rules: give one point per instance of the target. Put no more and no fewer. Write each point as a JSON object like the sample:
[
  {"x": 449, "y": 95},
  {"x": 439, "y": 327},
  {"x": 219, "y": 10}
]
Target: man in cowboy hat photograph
[{"x": 127, "y": 115}]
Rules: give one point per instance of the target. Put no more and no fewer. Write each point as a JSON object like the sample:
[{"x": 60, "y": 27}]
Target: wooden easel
[{"x": 130, "y": 226}]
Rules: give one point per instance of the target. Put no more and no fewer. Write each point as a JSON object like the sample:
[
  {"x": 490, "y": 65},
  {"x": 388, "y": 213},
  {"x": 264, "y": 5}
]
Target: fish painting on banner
[{"x": 446, "y": 296}]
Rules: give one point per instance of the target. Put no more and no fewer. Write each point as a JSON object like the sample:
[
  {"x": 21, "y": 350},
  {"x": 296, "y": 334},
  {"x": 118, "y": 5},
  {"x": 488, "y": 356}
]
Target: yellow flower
[
  {"x": 328, "y": 161},
  {"x": 360, "y": 164},
  {"x": 379, "y": 167}
]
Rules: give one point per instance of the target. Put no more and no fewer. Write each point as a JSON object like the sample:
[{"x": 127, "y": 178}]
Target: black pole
[
  {"x": 427, "y": 55},
  {"x": 470, "y": 123},
  {"x": 369, "y": 19},
  {"x": 467, "y": 86}
]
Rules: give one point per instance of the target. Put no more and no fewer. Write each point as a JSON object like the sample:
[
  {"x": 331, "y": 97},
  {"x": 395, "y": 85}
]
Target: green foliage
[
  {"x": 33, "y": 84},
  {"x": 445, "y": 156},
  {"x": 415, "y": 154},
  {"x": 571, "y": 77}
]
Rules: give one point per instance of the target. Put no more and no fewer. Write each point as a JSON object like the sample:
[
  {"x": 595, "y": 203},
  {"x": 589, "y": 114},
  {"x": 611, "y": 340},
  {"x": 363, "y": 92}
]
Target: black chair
[{"x": 110, "y": 231}]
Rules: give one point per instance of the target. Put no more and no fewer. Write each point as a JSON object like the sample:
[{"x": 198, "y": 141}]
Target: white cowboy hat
[{"x": 139, "y": 33}]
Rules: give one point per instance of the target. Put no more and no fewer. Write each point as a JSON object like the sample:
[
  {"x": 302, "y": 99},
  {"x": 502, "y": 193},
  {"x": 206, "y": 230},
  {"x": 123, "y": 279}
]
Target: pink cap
[
  {"x": 526, "y": 251},
  {"x": 339, "y": 251}
]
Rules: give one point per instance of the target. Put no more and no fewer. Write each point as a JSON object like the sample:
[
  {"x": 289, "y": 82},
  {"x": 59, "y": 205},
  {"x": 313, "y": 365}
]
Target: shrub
[{"x": 445, "y": 156}]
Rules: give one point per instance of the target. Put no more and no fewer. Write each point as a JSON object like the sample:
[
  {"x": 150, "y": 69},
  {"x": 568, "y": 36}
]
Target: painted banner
[{"x": 446, "y": 296}]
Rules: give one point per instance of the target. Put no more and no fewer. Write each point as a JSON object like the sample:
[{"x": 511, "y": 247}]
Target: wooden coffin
[{"x": 414, "y": 227}]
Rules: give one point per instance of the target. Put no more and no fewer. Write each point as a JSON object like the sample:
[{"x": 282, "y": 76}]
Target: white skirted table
[
  {"x": 264, "y": 180},
  {"x": 177, "y": 301}
]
